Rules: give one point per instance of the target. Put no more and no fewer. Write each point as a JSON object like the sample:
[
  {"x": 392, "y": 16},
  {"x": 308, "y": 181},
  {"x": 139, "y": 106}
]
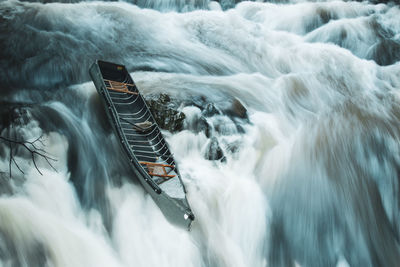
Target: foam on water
[{"x": 309, "y": 175}]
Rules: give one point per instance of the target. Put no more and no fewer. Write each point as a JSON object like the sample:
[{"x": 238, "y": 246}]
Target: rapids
[{"x": 310, "y": 177}]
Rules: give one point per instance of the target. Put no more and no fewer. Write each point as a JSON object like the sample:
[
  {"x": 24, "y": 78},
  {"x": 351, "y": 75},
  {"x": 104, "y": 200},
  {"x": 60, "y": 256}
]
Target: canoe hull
[{"x": 176, "y": 210}]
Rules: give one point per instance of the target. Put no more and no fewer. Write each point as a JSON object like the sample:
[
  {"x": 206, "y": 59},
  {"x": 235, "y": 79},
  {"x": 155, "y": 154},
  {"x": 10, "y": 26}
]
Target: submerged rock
[
  {"x": 201, "y": 125},
  {"x": 233, "y": 147},
  {"x": 385, "y": 52},
  {"x": 211, "y": 110},
  {"x": 168, "y": 115},
  {"x": 214, "y": 151}
]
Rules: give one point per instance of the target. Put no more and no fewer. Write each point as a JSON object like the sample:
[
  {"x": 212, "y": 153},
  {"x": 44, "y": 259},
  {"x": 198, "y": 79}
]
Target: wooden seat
[
  {"x": 119, "y": 87},
  {"x": 143, "y": 126},
  {"x": 157, "y": 169}
]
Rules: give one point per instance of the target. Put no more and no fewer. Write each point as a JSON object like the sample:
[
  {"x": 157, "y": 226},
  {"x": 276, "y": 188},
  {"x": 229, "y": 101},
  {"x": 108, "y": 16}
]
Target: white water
[{"x": 311, "y": 180}]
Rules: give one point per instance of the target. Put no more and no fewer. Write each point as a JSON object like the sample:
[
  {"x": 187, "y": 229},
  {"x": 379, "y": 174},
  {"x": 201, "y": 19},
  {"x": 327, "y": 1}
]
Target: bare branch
[
  {"x": 32, "y": 148},
  {"x": 16, "y": 164},
  {"x": 48, "y": 162},
  {"x": 34, "y": 163}
]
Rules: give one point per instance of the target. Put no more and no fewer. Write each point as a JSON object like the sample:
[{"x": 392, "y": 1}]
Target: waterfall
[{"x": 311, "y": 161}]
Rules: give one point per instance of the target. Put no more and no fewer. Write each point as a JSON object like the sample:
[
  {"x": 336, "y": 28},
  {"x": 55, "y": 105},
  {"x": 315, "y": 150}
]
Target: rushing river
[{"x": 310, "y": 177}]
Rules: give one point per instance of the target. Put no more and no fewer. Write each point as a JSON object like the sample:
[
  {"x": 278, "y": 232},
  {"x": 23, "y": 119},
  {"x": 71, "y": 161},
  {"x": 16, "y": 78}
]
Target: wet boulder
[
  {"x": 203, "y": 126},
  {"x": 195, "y": 121},
  {"x": 214, "y": 151},
  {"x": 234, "y": 147},
  {"x": 199, "y": 101},
  {"x": 385, "y": 52},
  {"x": 165, "y": 112},
  {"x": 211, "y": 110},
  {"x": 237, "y": 110}
]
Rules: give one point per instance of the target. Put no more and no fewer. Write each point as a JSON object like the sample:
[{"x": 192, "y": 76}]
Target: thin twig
[
  {"x": 32, "y": 148},
  {"x": 34, "y": 163},
  {"x": 16, "y": 164}
]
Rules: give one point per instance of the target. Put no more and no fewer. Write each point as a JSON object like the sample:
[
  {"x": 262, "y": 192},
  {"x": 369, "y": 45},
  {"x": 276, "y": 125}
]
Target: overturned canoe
[{"x": 147, "y": 151}]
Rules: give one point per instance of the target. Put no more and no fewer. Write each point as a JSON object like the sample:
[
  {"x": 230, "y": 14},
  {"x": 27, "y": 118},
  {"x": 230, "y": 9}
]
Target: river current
[{"x": 310, "y": 176}]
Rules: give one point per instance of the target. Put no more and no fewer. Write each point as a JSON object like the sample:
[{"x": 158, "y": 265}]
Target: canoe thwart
[
  {"x": 142, "y": 126},
  {"x": 157, "y": 169},
  {"x": 119, "y": 87}
]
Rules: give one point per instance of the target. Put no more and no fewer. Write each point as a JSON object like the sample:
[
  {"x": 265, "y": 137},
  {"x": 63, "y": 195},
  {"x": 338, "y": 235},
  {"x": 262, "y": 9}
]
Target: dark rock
[
  {"x": 164, "y": 98},
  {"x": 165, "y": 113},
  {"x": 240, "y": 128},
  {"x": 237, "y": 110},
  {"x": 394, "y": 2},
  {"x": 386, "y": 52},
  {"x": 227, "y": 4},
  {"x": 197, "y": 101},
  {"x": 165, "y": 110},
  {"x": 198, "y": 124},
  {"x": 5, "y": 186},
  {"x": 13, "y": 113},
  {"x": 203, "y": 126},
  {"x": 210, "y": 110},
  {"x": 214, "y": 151},
  {"x": 233, "y": 147}
]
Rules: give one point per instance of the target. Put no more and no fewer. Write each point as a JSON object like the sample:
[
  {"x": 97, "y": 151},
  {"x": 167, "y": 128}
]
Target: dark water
[{"x": 311, "y": 178}]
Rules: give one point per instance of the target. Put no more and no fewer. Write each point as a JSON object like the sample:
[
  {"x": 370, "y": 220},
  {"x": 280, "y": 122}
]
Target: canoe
[{"x": 147, "y": 151}]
